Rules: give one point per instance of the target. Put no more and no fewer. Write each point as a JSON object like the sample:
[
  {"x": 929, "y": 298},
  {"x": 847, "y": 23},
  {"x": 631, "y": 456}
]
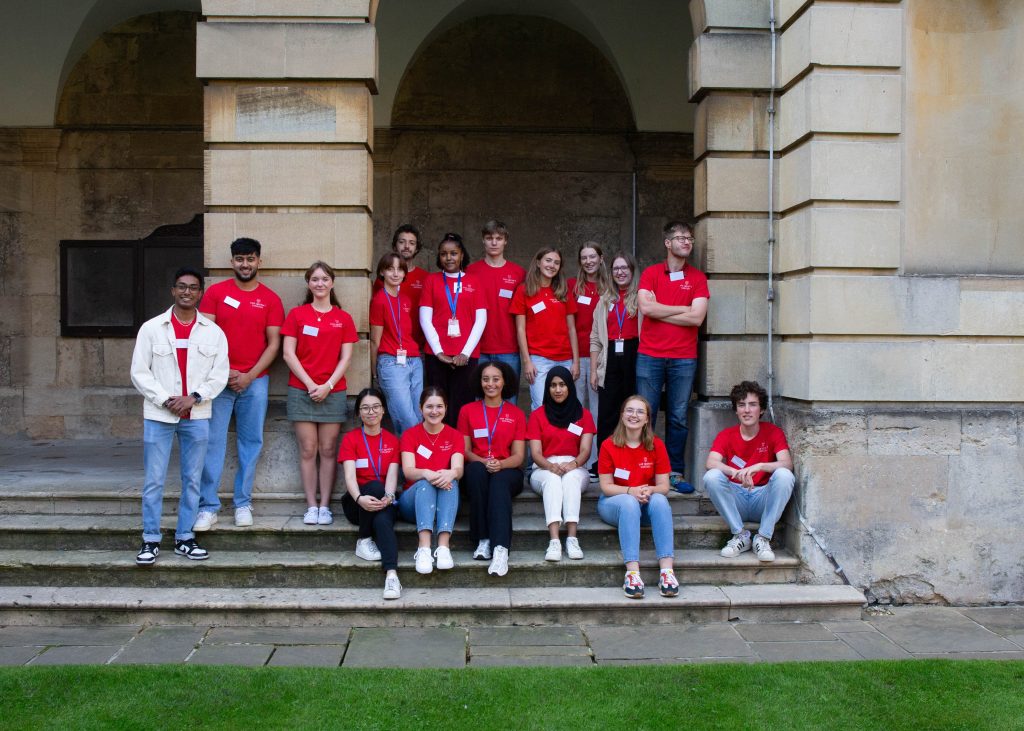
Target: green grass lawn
[{"x": 932, "y": 694}]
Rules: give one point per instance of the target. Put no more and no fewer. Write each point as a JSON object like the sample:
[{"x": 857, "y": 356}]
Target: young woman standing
[{"x": 587, "y": 288}]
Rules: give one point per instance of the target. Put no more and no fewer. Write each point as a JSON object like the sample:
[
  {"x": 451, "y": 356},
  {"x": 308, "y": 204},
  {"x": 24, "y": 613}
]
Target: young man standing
[
  {"x": 673, "y": 298},
  {"x": 750, "y": 473},
  {"x": 498, "y": 278},
  {"x": 407, "y": 244},
  {"x": 179, "y": 365},
  {"x": 251, "y": 315}
]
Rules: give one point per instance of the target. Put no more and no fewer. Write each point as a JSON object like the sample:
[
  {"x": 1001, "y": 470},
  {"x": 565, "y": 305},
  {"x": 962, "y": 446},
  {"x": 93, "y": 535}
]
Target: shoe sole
[
  {"x": 145, "y": 562},
  {"x": 553, "y": 559},
  {"x": 670, "y": 594},
  {"x": 498, "y": 573},
  {"x": 424, "y": 573},
  {"x": 481, "y": 557},
  {"x": 189, "y": 556},
  {"x": 368, "y": 558},
  {"x": 766, "y": 560},
  {"x": 634, "y": 596},
  {"x": 203, "y": 528},
  {"x": 389, "y": 598}
]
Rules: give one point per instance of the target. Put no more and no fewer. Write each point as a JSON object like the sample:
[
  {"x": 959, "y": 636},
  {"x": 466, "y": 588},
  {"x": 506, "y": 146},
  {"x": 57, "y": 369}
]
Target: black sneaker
[
  {"x": 191, "y": 550},
  {"x": 147, "y": 554}
]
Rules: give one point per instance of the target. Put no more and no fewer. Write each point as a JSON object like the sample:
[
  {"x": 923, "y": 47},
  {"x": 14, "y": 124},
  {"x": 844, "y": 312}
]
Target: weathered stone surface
[
  {"x": 804, "y": 651},
  {"x": 724, "y": 363},
  {"x": 730, "y": 184},
  {"x": 76, "y": 655},
  {"x": 654, "y": 642},
  {"x": 860, "y": 237},
  {"x": 741, "y": 307},
  {"x": 245, "y": 655},
  {"x": 357, "y": 10},
  {"x": 729, "y": 61},
  {"x": 705, "y": 15},
  {"x": 914, "y": 434},
  {"x": 989, "y": 430},
  {"x": 839, "y": 170},
  {"x": 163, "y": 644},
  {"x": 731, "y": 123},
  {"x": 825, "y": 432},
  {"x": 407, "y": 648},
  {"x": 931, "y": 630},
  {"x": 328, "y": 656},
  {"x": 734, "y": 245},
  {"x": 873, "y": 645}
]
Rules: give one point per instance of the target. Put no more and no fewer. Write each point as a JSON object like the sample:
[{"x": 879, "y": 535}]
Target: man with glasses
[
  {"x": 673, "y": 298},
  {"x": 179, "y": 365}
]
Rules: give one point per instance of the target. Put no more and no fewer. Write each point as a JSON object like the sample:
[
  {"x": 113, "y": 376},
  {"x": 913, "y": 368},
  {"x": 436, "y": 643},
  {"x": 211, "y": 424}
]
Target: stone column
[{"x": 289, "y": 139}]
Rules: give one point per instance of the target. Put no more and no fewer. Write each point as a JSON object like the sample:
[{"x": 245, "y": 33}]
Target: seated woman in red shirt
[
  {"x": 561, "y": 434},
  {"x": 369, "y": 460},
  {"x": 633, "y": 470},
  {"x": 318, "y": 337},
  {"x": 494, "y": 432}
]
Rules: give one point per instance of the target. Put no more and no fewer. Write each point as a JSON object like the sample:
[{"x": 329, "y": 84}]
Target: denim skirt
[{"x": 301, "y": 407}]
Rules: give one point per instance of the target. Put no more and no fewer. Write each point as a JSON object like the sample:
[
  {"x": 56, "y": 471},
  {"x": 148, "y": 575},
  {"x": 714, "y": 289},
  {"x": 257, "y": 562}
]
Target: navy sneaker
[
  {"x": 678, "y": 483},
  {"x": 147, "y": 554}
]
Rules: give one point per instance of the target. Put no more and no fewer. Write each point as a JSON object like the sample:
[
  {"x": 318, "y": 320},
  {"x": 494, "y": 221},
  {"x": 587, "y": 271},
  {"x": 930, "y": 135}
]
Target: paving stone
[
  {"x": 969, "y": 655},
  {"x": 1017, "y": 639},
  {"x": 526, "y": 636},
  {"x": 528, "y": 650},
  {"x": 850, "y": 626},
  {"x": 1001, "y": 620},
  {"x": 319, "y": 656},
  {"x": 494, "y": 661},
  {"x": 666, "y": 641},
  {"x": 17, "y": 655},
  {"x": 784, "y": 632},
  {"x": 746, "y": 660},
  {"x": 277, "y": 636},
  {"x": 77, "y": 655},
  {"x": 13, "y": 635},
  {"x": 163, "y": 644},
  {"x": 407, "y": 647},
  {"x": 873, "y": 645},
  {"x": 231, "y": 655},
  {"x": 783, "y": 651},
  {"x": 938, "y": 630}
]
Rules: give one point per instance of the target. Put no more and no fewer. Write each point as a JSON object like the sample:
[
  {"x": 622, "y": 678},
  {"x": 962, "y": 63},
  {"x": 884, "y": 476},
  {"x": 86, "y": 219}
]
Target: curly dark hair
[
  {"x": 511, "y": 388},
  {"x": 740, "y": 391}
]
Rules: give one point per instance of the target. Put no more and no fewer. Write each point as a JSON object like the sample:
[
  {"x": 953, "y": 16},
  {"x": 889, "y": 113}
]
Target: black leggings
[
  {"x": 490, "y": 502},
  {"x": 619, "y": 385},
  {"x": 456, "y": 383},
  {"x": 379, "y": 524}
]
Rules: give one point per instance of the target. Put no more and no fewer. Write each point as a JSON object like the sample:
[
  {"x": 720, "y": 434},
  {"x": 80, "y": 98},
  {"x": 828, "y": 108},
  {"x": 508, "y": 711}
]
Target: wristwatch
[
  {"x": 390, "y": 496},
  {"x": 196, "y": 396}
]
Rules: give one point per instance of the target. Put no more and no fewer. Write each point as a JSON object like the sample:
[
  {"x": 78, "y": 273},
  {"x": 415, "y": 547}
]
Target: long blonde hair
[
  {"x": 558, "y": 284},
  {"x": 604, "y": 282},
  {"x": 632, "y": 291},
  {"x": 646, "y": 433},
  {"x": 329, "y": 271}
]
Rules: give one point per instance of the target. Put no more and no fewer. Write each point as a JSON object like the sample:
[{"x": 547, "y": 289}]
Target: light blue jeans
[
  {"x": 626, "y": 512},
  {"x": 402, "y": 386},
  {"x": 676, "y": 375},
  {"x": 587, "y": 397},
  {"x": 250, "y": 410},
  {"x": 157, "y": 439},
  {"x": 543, "y": 365},
  {"x": 430, "y": 508},
  {"x": 737, "y": 504}
]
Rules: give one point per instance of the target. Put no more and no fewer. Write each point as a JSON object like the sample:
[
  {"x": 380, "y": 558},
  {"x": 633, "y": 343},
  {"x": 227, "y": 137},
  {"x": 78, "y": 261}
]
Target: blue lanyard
[
  {"x": 621, "y": 317},
  {"x": 394, "y": 317},
  {"x": 369, "y": 455},
  {"x": 452, "y": 303},
  {"x": 487, "y": 426}
]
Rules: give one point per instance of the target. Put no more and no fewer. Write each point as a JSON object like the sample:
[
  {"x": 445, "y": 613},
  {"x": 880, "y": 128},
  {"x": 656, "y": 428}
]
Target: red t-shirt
[
  {"x": 497, "y": 285},
  {"x": 319, "y": 338},
  {"x": 412, "y": 287},
  {"x": 384, "y": 311},
  {"x": 181, "y": 335},
  {"x": 468, "y": 303},
  {"x": 506, "y": 424},
  {"x": 630, "y": 325},
  {"x": 738, "y": 452},
  {"x": 547, "y": 324},
  {"x": 585, "y": 305},
  {"x": 555, "y": 442},
  {"x": 432, "y": 452},
  {"x": 383, "y": 453},
  {"x": 244, "y": 317},
  {"x": 660, "y": 339},
  {"x": 633, "y": 466}
]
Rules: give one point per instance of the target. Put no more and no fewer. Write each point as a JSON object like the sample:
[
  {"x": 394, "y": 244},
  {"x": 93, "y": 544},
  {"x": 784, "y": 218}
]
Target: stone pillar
[{"x": 289, "y": 138}]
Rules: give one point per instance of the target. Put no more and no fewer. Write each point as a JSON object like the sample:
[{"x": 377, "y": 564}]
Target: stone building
[{"x": 883, "y": 304}]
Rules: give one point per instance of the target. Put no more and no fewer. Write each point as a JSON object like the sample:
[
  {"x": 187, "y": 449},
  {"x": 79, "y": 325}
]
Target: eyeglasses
[
  {"x": 620, "y": 269},
  {"x": 682, "y": 238},
  {"x": 634, "y": 412},
  {"x": 371, "y": 408},
  {"x": 182, "y": 287}
]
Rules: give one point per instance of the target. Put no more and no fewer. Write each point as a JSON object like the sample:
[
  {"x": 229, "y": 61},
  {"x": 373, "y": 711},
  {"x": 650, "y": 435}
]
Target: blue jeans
[
  {"x": 543, "y": 365},
  {"x": 736, "y": 504},
  {"x": 250, "y": 410},
  {"x": 157, "y": 438},
  {"x": 425, "y": 505},
  {"x": 626, "y": 512},
  {"x": 402, "y": 386},
  {"x": 589, "y": 398},
  {"x": 676, "y": 375}
]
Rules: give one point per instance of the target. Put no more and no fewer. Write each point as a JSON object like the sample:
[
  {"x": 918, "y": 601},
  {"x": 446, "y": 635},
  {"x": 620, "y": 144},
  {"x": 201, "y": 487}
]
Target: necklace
[
  {"x": 433, "y": 438},
  {"x": 319, "y": 315}
]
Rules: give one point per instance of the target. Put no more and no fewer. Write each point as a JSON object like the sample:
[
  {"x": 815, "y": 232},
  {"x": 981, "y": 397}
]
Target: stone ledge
[
  {"x": 354, "y": 10},
  {"x": 729, "y": 61}
]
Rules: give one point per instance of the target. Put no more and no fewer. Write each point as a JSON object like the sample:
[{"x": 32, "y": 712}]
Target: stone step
[
  {"x": 420, "y": 607},
  {"x": 341, "y": 569}
]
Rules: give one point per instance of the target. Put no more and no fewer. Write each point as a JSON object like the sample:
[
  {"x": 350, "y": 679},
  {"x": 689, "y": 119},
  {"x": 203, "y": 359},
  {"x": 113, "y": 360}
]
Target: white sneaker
[
  {"x": 392, "y": 588},
  {"x": 424, "y": 563},
  {"x": 737, "y": 545},
  {"x": 554, "y": 552},
  {"x": 311, "y": 516},
  {"x": 443, "y": 557},
  {"x": 572, "y": 548},
  {"x": 763, "y": 549},
  {"x": 324, "y": 516},
  {"x": 483, "y": 550},
  {"x": 204, "y": 521},
  {"x": 367, "y": 550},
  {"x": 499, "y": 564},
  {"x": 243, "y": 517}
]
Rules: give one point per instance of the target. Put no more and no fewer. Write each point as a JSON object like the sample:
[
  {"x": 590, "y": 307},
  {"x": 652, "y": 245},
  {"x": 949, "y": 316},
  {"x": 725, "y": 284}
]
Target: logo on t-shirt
[
  {"x": 258, "y": 303},
  {"x": 645, "y": 463},
  {"x": 336, "y": 324}
]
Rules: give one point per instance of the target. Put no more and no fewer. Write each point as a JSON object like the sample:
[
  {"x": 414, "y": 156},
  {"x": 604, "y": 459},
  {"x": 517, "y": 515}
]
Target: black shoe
[
  {"x": 147, "y": 554},
  {"x": 191, "y": 550}
]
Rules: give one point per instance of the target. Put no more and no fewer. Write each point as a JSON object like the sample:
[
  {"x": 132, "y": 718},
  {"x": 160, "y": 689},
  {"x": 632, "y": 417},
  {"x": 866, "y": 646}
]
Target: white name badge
[
  {"x": 457, "y": 288},
  {"x": 401, "y": 357},
  {"x": 454, "y": 331},
  {"x": 611, "y": 306},
  {"x": 677, "y": 276},
  {"x": 738, "y": 462},
  {"x": 310, "y": 330},
  {"x": 583, "y": 300},
  {"x": 621, "y": 474},
  {"x": 539, "y": 307},
  {"x": 479, "y": 433},
  {"x": 620, "y": 346},
  {"x": 362, "y": 464},
  {"x": 424, "y": 452},
  {"x": 232, "y": 302},
  {"x": 506, "y": 293},
  {"x": 181, "y": 343},
  {"x": 575, "y": 429}
]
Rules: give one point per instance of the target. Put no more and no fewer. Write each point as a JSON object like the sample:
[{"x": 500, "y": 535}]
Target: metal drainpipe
[{"x": 771, "y": 219}]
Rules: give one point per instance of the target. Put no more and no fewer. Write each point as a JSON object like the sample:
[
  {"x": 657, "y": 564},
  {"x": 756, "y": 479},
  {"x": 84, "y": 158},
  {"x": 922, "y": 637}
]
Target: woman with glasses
[
  {"x": 545, "y": 322},
  {"x": 317, "y": 346},
  {"x": 394, "y": 353},
  {"x": 453, "y": 315},
  {"x": 561, "y": 434},
  {"x": 432, "y": 463},
  {"x": 587, "y": 288},
  {"x": 494, "y": 432},
  {"x": 369, "y": 457},
  {"x": 614, "y": 339},
  {"x": 634, "y": 468}
]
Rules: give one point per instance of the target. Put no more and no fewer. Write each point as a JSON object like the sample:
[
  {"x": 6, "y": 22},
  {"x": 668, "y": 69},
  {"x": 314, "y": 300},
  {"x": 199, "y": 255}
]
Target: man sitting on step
[{"x": 750, "y": 473}]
